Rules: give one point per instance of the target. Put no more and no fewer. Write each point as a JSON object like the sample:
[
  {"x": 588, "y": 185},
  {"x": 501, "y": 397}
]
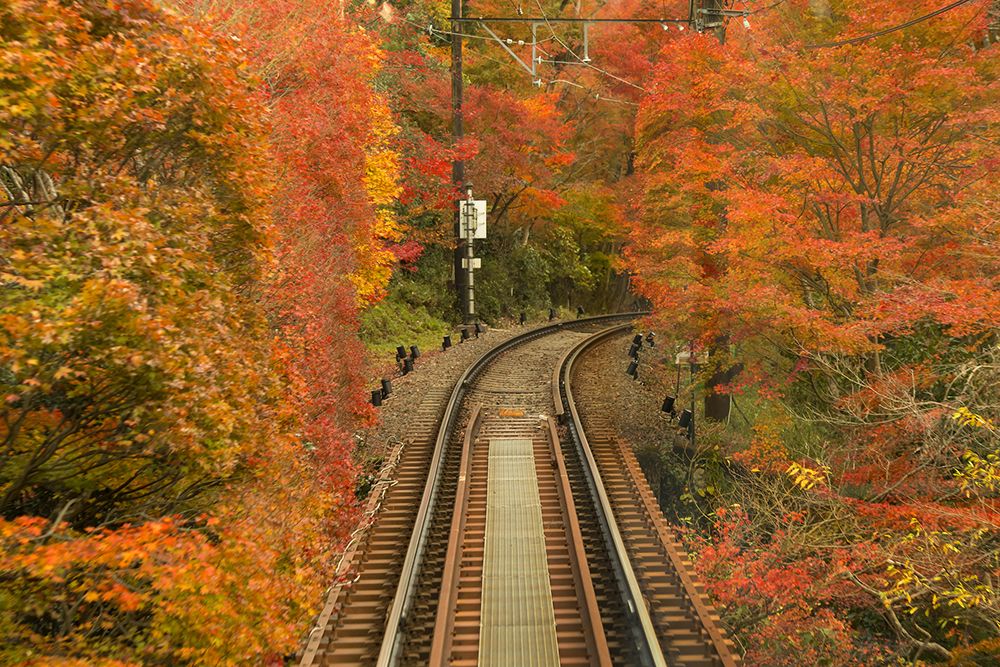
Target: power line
[
  {"x": 545, "y": 19},
  {"x": 586, "y": 62},
  {"x": 751, "y": 12},
  {"x": 886, "y": 31},
  {"x": 430, "y": 29},
  {"x": 590, "y": 91}
]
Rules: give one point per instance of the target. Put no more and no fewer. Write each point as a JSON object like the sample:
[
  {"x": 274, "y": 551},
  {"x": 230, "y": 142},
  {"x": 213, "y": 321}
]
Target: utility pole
[
  {"x": 710, "y": 15},
  {"x": 458, "y": 166}
]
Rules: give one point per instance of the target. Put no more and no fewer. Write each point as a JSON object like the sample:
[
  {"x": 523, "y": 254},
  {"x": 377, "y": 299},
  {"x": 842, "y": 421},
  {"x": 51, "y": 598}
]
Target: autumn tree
[
  {"x": 154, "y": 495},
  {"x": 829, "y": 208},
  {"x": 530, "y": 147}
]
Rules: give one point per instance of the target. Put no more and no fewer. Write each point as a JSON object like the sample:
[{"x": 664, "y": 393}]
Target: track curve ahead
[{"x": 489, "y": 540}]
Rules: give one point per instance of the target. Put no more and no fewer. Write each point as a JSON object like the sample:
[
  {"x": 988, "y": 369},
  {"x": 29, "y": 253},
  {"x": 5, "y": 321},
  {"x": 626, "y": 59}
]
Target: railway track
[{"x": 498, "y": 536}]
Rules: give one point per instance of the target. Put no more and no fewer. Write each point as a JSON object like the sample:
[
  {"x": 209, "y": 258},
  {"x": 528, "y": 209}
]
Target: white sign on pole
[
  {"x": 477, "y": 263},
  {"x": 475, "y": 209},
  {"x": 684, "y": 357}
]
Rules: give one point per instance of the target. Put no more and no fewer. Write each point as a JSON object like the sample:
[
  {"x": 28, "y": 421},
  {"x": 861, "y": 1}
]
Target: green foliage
[
  {"x": 395, "y": 321},
  {"x": 424, "y": 284},
  {"x": 511, "y": 281}
]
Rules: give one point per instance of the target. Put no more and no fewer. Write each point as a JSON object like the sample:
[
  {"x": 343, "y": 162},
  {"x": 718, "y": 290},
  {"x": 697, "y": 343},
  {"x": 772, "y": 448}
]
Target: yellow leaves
[
  {"x": 934, "y": 575},
  {"x": 387, "y": 226},
  {"x": 381, "y": 182},
  {"x": 382, "y": 176},
  {"x": 33, "y": 285},
  {"x": 382, "y": 163},
  {"x": 966, "y": 417},
  {"x": 807, "y": 478},
  {"x": 979, "y": 472},
  {"x": 372, "y": 276}
]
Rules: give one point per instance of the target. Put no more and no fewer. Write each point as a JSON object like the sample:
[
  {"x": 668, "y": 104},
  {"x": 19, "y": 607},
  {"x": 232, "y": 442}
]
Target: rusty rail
[
  {"x": 444, "y": 623},
  {"x": 660, "y": 615},
  {"x": 403, "y": 598},
  {"x": 597, "y": 640},
  {"x": 650, "y": 652},
  {"x": 699, "y": 611}
]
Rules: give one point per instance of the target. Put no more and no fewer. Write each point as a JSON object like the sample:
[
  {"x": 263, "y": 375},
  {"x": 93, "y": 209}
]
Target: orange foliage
[
  {"x": 173, "y": 481},
  {"x": 832, "y": 213}
]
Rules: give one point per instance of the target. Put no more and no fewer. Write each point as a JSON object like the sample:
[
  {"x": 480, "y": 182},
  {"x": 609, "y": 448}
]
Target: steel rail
[
  {"x": 706, "y": 616},
  {"x": 335, "y": 592},
  {"x": 640, "y": 622},
  {"x": 445, "y": 619},
  {"x": 403, "y": 599},
  {"x": 567, "y": 412},
  {"x": 597, "y": 640}
]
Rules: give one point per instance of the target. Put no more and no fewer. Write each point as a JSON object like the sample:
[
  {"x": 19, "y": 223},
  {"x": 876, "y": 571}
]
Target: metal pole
[
  {"x": 470, "y": 233},
  {"x": 710, "y": 15},
  {"x": 677, "y": 388},
  {"x": 720, "y": 31},
  {"x": 458, "y": 166},
  {"x": 691, "y": 426},
  {"x": 534, "y": 53}
]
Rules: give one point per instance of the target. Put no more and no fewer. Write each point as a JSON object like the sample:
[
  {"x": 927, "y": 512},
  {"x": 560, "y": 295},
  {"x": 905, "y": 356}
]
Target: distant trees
[
  {"x": 833, "y": 211},
  {"x": 529, "y": 151}
]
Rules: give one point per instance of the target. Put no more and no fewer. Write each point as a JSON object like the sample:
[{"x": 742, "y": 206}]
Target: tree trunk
[
  {"x": 717, "y": 406},
  {"x": 993, "y": 23}
]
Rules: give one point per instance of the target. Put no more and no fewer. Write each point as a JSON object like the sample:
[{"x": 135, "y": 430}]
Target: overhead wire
[
  {"x": 975, "y": 17},
  {"x": 548, "y": 25},
  {"x": 749, "y": 12},
  {"x": 597, "y": 96},
  {"x": 895, "y": 28},
  {"x": 429, "y": 28},
  {"x": 760, "y": 10}
]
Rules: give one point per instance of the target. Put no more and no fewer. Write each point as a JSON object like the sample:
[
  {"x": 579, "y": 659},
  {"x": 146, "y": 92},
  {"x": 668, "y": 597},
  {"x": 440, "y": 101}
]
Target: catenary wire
[
  {"x": 590, "y": 91},
  {"x": 436, "y": 31},
  {"x": 597, "y": 96},
  {"x": 573, "y": 53},
  {"x": 886, "y": 31}
]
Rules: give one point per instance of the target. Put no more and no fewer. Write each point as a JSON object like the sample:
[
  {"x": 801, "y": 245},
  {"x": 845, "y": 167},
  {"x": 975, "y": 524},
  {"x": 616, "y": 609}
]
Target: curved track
[
  {"x": 501, "y": 538},
  {"x": 676, "y": 616}
]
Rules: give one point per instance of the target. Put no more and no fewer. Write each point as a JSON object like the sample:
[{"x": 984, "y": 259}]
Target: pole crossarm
[
  {"x": 542, "y": 19},
  {"x": 530, "y": 70}
]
